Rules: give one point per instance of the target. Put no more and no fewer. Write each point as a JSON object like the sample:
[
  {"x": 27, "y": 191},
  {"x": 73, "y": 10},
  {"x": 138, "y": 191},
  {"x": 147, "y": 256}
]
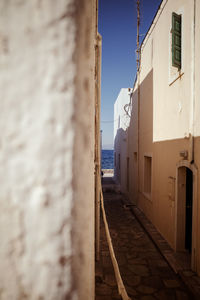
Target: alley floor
[{"x": 146, "y": 274}]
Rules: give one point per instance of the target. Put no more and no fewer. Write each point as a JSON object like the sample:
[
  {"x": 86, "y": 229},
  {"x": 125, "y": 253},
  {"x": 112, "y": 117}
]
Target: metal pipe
[
  {"x": 97, "y": 144},
  {"x": 138, "y": 94},
  {"x": 193, "y": 83}
]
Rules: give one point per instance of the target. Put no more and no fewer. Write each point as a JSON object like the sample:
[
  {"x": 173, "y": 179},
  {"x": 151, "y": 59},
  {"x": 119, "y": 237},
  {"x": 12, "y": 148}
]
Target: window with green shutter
[{"x": 176, "y": 40}]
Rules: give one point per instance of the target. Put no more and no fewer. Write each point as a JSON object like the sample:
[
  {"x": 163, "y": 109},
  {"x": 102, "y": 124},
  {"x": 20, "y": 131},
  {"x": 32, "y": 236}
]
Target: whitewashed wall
[
  {"x": 41, "y": 230},
  {"x": 173, "y": 96},
  {"x": 121, "y": 119},
  {"x": 121, "y": 124}
]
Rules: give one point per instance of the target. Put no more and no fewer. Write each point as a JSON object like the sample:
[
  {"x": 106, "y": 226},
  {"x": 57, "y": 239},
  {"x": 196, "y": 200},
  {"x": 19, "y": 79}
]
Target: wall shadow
[{"x": 138, "y": 136}]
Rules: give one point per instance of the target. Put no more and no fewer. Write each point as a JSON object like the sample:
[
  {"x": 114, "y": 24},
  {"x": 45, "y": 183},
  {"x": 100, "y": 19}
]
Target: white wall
[
  {"x": 41, "y": 228},
  {"x": 121, "y": 123},
  {"x": 172, "y": 104},
  {"x": 121, "y": 119}
]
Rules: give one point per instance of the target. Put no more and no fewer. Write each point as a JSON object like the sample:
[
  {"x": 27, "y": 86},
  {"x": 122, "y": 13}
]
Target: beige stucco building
[
  {"x": 47, "y": 144},
  {"x": 159, "y": 152}
]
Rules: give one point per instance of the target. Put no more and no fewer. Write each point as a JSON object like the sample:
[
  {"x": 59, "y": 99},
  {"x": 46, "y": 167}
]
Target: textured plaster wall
[
  {"x": 39, "y": 130},
  {"x": 83, "y": 154},
  {"x": 173, "y": 95}
]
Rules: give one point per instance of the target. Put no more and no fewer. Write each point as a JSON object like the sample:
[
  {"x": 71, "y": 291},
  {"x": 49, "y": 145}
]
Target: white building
[
  {"x": 161, "y": 162},
  {"x": 121, "y": 123}
]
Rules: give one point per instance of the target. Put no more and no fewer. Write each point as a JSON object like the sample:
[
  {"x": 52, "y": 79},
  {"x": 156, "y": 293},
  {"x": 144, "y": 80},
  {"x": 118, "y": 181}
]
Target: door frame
[{"x": 180, "y": 211}]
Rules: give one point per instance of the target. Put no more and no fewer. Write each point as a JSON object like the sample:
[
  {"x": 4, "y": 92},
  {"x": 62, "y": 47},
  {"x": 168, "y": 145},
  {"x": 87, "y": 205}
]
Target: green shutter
[{"x": 176, "y": 40}]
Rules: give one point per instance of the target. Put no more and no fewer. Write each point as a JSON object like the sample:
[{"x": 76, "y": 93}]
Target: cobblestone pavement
[{"x": 145, "y": 272}]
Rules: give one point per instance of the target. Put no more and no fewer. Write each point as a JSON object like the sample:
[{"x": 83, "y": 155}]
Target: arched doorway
[{"x": 186, "y": 210}]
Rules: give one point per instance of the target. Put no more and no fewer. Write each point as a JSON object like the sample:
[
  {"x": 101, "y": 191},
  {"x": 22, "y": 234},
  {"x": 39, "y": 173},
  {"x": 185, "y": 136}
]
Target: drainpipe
[
  {"x": 193, "y": 262},
  {"x": 97, "y": 144},
  {"x": 191, "y": 134},
  {"x": 138, "y": 137},
  {"x": 138, "y": 94}
]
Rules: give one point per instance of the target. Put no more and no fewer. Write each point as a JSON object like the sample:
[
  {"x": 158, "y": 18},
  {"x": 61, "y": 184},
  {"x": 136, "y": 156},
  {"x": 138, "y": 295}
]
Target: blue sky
[{"x": 118, "y": 27}]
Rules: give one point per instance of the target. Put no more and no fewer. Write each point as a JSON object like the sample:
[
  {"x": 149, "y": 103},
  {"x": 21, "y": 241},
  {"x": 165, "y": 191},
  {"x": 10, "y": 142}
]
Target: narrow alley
[{"x": 146, "y": 274}]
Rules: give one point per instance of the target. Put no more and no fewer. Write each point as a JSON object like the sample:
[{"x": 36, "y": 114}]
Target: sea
[{"x": 107, "y": 159}]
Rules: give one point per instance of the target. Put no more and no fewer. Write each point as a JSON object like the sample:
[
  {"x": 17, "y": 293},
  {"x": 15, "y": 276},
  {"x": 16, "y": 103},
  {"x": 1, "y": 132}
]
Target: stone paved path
[{"x": 145, "y": 273}]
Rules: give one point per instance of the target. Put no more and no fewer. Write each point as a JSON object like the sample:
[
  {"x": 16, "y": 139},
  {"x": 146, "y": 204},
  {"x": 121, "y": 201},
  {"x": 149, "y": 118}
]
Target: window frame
[
  {"x": 173, "y": 72},
  {"x": 176, "y": 32}
]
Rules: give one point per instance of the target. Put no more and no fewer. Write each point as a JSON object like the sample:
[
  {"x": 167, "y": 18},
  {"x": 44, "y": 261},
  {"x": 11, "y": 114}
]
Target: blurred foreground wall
[{"x": 46, "y": 149}]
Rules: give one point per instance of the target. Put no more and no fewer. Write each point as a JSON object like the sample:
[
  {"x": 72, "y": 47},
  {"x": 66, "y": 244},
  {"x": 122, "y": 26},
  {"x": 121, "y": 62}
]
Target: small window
[
  {"x": 176, "y": 40},
  {"x": 147, "y": 174}
]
